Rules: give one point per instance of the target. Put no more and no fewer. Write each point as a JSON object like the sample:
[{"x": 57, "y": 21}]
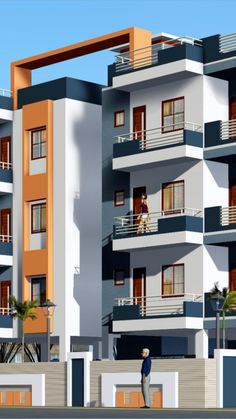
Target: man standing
[{"x": 145, "y": 377}]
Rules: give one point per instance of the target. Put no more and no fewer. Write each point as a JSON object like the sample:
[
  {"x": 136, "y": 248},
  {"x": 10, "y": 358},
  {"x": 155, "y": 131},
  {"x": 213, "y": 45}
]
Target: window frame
[
  {"x": 115, "y": 200},
  {"x": 163, "y": 131},
  {"x": 40, "y": 279},
  {"x": 40, "y": 144},
  {"x": 162, "y": 281},
  {"x": 115, "y": 114},
  {"x": 36, "y": 205},
  {"x": 114, "y": 277},
  {"x": 162, "y": 194}
]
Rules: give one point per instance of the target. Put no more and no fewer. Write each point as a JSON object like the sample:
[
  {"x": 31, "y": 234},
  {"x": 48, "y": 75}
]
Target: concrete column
[
  {"x": 44, "y": 352},
  {"x": 201, "y": 344},
  {"x": 107, "y": 343},
  {"x": 191, "y": 344},
  {"x": 64, "y": 347},
  {"x": 97, "y": 350}
]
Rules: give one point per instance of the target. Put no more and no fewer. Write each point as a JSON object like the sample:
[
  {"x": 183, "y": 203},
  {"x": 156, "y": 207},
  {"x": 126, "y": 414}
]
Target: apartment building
[
  {"x": 76, "y": 159},
  {"x": 168, "y": 132},
  {"x": 51, "y": 138}
]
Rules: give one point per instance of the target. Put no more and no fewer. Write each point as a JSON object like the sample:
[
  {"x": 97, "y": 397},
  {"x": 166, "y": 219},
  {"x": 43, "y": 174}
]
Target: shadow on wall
[
  {"x": 87, "y": 216},
  {"x": 215, "y": 254}
]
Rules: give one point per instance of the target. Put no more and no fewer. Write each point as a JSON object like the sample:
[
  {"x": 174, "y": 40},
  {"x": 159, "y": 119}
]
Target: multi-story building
[
  {"x": 163, "y": 126},
  {"x": 56, "y": 157},
  {"x": 168, "y": 132}
]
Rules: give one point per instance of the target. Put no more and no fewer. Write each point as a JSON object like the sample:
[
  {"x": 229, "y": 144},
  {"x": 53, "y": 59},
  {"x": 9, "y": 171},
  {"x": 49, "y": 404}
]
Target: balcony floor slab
[
  {"x": 146, "y": 324},
  {"x": 180, "y": 153},
  {"x": 159, "y": 74},
  {"x": 160, "y": 240},
  {"x": 6, "y": 260},
  {"x": 5, "y": 115}
]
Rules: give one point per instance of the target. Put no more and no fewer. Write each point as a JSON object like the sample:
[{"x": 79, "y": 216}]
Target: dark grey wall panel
[
  {"x": 112, "y": 180},
  {"x": 229, "y": 381},
  {"x": 77, "y": 382},
  {"x": 65, "y": 87}
]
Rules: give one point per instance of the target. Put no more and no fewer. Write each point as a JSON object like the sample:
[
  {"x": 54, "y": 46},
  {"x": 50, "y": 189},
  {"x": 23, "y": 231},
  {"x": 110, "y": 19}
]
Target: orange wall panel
[
  {"x": 38, "y": 325},
  {"x": 120, "y": 399},
  {"x": 157, "y": 399},
  {"x": 37, "y": 187},
  {"x": 31, "y": 259},
  {"x": 28, "y": 398},
  {"x": 9, "y": 398},
  {"x": 134, "y": 399}
]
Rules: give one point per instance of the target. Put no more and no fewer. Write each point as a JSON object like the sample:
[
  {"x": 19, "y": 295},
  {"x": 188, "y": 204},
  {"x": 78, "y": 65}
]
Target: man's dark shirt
[{"x": 146, "y": 366}]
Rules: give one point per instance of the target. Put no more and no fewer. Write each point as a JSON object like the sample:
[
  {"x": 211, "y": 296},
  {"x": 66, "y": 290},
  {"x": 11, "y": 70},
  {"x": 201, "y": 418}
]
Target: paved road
[{"x": 101, "y": 413}]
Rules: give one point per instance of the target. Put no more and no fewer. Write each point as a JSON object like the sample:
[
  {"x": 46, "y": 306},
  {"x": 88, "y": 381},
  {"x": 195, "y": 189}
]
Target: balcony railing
[
  {"x": 149, "y": 55},
  {"x": 227, "y": 42},
  {"x": 5, "y": 238},
  {"x": 5, "y": 92},
  {"x": 159, "y": 137},
  {"x": 5, "y": 311},
  {"x": 134, "y": 224},
  {"x": 159, "y": 305},
  {"x": 228, "y": 215},
  {"x": 228, "y": 130},
  {"x": 5, "y": 165}
]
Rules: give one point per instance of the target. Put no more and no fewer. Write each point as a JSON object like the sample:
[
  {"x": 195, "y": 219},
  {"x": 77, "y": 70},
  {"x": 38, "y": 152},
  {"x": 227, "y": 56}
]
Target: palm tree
[
  {"x": 228, "y": 306},
  {"x": 23, "y": 311}
]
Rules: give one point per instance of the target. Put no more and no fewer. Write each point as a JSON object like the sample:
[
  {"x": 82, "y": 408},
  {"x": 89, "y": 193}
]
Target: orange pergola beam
[{"x": 21, "y": 71}]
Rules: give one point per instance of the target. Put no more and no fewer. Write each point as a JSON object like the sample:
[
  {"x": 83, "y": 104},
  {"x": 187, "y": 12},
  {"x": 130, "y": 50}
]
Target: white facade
[
  {"x": 77, "y": 225},
  {"x": 206, "y": 184}
]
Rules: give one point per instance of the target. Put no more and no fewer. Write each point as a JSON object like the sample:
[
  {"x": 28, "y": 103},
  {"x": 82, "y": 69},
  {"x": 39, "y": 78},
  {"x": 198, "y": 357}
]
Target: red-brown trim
[
  {"x": 115, "y": 201},
  {"x": 38, "y": 278},
  {"x": 162, "y": 280},
  {"x": 31, "y": 221},
  {"x": 114, "y": 277},
  {"x": 115, "y": 113},
  {"x": 31, "y": 142},
  {"x": 141, "y": 108},
  {"x": 169, "y": 183},
  {"x": 6, "y": 211},
  {"x": 8, "y": 139},
  {"x": 162, "y": 116}
]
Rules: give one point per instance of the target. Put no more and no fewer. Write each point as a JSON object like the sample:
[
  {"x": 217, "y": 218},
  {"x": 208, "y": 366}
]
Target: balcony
[
  {"x": 6, "y": 113},
  {"x": 164, "y": 228},
  {"x": 220, "y": 141},
  {"x": 6, "y": 252},
  {"x": 158, "y": 312},
  {"x": 151, "y": 58},
  {"x": 220, "y": 55},
  {"x": 179, "y": 141},
  {"x": 6, "y": 177},
  {"x": 220, "y": 226},
  {"x": 6, "y": 322}
]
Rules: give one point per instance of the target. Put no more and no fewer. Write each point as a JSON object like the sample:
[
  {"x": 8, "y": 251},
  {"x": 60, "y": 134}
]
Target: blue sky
[{"x": 29, "y": 27}]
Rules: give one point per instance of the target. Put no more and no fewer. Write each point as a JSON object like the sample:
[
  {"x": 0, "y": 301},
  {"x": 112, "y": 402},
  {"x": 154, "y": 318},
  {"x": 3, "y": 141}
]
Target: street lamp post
[
  {"x": 48, "y": 309},
  {"x": 217, "y": 302}
]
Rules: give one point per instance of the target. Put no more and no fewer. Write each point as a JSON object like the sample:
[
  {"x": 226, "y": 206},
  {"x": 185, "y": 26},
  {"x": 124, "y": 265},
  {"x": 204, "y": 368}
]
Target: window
[
  {"x": 38, "y": 218},
  {"x": 172, "y": 280},
  {"x": 119, "y": 198},
  {"x": 5, "y": 292},
  {"x": 173, "y": 197},
  {"x": 119, "y": 119},
  {"x": 38, "y": 289},
  {"x": 119, "y": 277},
  {"x": 172, "y": 114},
  {"x": 38, "y": 143}
]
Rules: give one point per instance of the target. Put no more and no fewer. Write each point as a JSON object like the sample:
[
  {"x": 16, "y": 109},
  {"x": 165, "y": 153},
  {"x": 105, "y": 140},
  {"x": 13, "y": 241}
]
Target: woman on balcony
[{"x": 143, "y": 218}]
